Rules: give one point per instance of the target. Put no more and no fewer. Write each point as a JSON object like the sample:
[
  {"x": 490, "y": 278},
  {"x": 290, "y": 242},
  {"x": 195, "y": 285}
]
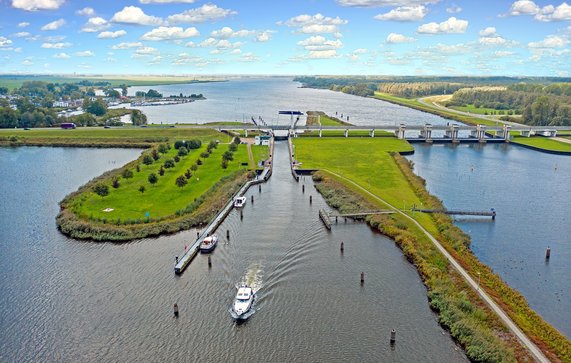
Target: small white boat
[
  {"x": 243, "y": 302},
  {"x": 239, "y": 202},
  {"x": 208, "y": 244}
]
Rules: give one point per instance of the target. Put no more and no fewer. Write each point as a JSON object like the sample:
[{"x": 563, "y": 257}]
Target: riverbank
[{"x": 460, "y": 309}]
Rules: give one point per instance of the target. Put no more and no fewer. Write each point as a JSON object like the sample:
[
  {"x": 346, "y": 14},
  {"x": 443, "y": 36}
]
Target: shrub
[
  {"x": 182, "y": 151},
  {"x": 101, "y": 189},
  {"x": 188, "y": 174},
  {"x": 169, "y": 163},
  {"x": 153, "y": 178},
  {"x": 237, "y": 140},
  {"x": 127, "y": 173},
  {"x": 233, "y": 147},
  {"x": 199, "y": 162},
  {"x": 138, "y": 168},
  {"x": 227, "y": 156},
  {"x": 115, "y": 183},
  {"x": 178, "y": 144},
  {"x": 194, "y": 167},
  {"x": 162, "y": 171},
  {"x": 147, "y": 160},
  {"x": 142, "y": 189},
  {"x": 212, "y": 145},
  {"x": 193, "y": 144},
  {"x": 204, "y": 154},
  {"x": 176, "y": 159},
  {"x": 181, "y": 181},
  {"x": 164, "y": 148},
  {"x": 224, "y": 164},
  {"x": 155, "y": 154}
]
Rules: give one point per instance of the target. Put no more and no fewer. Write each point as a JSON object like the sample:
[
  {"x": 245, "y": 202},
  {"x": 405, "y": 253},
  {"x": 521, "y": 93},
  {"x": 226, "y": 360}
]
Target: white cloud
[
  {"x": 86, "y": 12},
  {"x": 54, "y": 25},
  {"x": 111, "y": 35},
  {"x": 404, "y": 13},
  {"x": 61, "y": 56},
  {"x": 166, "y": 1},
  {"x": 134, "y": 15},
  {"x": 360, "y": 51},
  {"x": 264, "y": 36},
  {"x": 170, "y": 33},
  {"x": 236, "y": 51},
  {"x": 551, "y": 41},
  {"x": 22, "y": 34},
  {"x": 488, "y": 32},
  {"x": 220, "y": 44},
  {"x": 382, "y": 3},
  {"x": 495, "y": 40},
  {"x": 33, "y": 5},
  {"x": 190, "y": 45},
  {"x": 227, "y": 32},
  {"x": 207, "y": 12},
  {"x": 56, "y": 45},
  {"x": 315, "y": 24},
  {"x": 23, "y": 24},
  {"x": 127, "y": 45},
  {"x": 450, "y": 26},
  {"x": 27, "y": 62},
  {"x": 322, "y": 54},
  {"x": 393, "y": 38},
  {"x": 547, "y": 13},
  {"x": 95, "y": 25},
  {"x": 146, "y": 51},
  {"x": 85, "y": 53},
  {"x": 503, "y": 53},
  {"x": 454, "y": 9},
  {"x": 249, "y": 57},
  {"x": 5, "y": 42},
  {"x": 320, "y": 43}
]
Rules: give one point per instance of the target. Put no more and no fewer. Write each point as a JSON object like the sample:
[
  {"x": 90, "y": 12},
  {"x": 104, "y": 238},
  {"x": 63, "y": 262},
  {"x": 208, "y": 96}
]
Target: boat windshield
[{"x": 242, "y": 300}]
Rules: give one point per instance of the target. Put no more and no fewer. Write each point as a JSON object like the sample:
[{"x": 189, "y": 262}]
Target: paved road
[{"x": 525, "y": 341}]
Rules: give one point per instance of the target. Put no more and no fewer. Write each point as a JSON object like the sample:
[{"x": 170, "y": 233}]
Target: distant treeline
[
  {"x": 419, "y": 89},
  {"x": 537, "y": 105}
]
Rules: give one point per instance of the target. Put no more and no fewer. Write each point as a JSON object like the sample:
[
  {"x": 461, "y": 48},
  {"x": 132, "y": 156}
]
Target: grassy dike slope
[{"x": 368, "y": 163}]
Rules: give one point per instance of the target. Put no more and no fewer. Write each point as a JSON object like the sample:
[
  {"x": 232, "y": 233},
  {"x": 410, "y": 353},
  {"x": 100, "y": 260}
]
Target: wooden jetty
[
  {"x": 326, "y": 217},
  {"x": 491, "y": 213}
]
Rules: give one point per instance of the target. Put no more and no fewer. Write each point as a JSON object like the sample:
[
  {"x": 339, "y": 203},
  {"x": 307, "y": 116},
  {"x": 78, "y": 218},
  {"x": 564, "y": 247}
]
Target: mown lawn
[
  {"x": 165, "y": 197},
  {"x": 367, "y": 162},
  {"x": 542, "y": 143},
  {"x": 480, "y": 110}
]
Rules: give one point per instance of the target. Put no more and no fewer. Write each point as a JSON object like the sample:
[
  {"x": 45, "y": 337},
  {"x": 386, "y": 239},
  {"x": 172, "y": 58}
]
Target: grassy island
[
  {"x": 367, "y": 174},
  {"x": 173, "y": 185}
]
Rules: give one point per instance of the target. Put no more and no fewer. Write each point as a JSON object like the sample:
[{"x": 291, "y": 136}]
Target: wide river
[{"x": 71, "y": 301}]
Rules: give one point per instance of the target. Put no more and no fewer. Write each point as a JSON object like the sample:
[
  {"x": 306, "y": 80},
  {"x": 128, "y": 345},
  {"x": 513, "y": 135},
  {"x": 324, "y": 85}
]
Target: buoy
[
  {"x": 393, "y": 336},
  {"x": 343, "y": 248},
  {"x": 252, "y": 199},
  {"x": 209, "y": 262},
  {"x": 362, "y": 277},
  {"x": 303, "y": 188},
  {"x": 310, "y": 199},
  {"x": 176, "y": 310},
  {"x": 548, "y": 253},
  {"x": 228, "y": 234},
  {"x": 241, "y": 215}
]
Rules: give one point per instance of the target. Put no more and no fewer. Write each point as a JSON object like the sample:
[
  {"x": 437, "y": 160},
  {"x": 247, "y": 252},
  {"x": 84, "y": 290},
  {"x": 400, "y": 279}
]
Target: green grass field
[
  {"x": 165, "y": 197},
  {"x": 366, "y": 161},
  {"x": 542, "y": 143},
  {"x": 479, "y": 111}
]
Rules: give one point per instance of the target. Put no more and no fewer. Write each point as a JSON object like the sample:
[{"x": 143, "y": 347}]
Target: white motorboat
[
  {"x": 208, "y": 244},
  {"x": 239, "y": 202},
  {"x": 243, "y": 302}
]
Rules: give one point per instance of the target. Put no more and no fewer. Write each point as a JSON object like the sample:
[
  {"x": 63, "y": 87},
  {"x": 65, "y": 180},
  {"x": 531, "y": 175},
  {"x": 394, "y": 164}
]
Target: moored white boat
[
  {"x": 239, "y": 202},
  {"x": 208, "y": 244},
  {"x": 243, "y": 302}
]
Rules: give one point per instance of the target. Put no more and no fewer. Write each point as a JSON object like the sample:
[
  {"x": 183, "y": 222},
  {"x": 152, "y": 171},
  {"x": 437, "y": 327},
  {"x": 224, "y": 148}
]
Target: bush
[
  {"x": 169, "y": 163},
  {"x": 164, "y": 148},
  {"x": 147, "y": 160},
  {"x": 115, "y": 183},
  {"x": 227, "y": 156},
  {"x": 101, "y": 189},
  {"x": 237, "y": 141},
  {"x": 181, "y": 181},
  {"x": 193, "y": 144},
  {"x": 127, "y": 173},
  {"x": 178, "y": 144},
  {"x": 176, "y": 158},
  {"x": 188, "y": 174},
  {"x": 199, "y": 162},
  {"x": 233, "y": 147},
  {"x": 153, "y": 178},
  {"x": 204, "y": 154},
  {"x": 212, "y": 145},
  {"x": 182, "y": 151},
  {"x": 194, "y": 167},
  {"x": 162, "y": 171},
  {"x": 138, "y": 168},
  {"x": 142, "y": 189},
  {"x": 224, "y": 164},
  {"x": 155, "y": 154}
]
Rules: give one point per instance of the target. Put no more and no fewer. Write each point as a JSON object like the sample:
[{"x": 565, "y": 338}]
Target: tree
[
  {"x": 97, "y": 108},
  {"x": 116, "y": 183},
  {"x": 204, "y": 154},
  {"x": 199, "y": 162},
  {"x": 124, "y": 90},
  {"x": 142, "y": 189},
  {"x": 147, "y": 159},
  {"x": 237, "y": 141},
  {"x": 138, "y": 168},
  {"x": 181, "y": 181},
  {"x": 227, "y": 156},
  {"x": 127, "y": 173},
  {"x": 182, "y": 151},
  {"x": 224, "y": 164},
  {"x": 8, "y": 118},
  {"x": 193, "y": 144},
  {"x": 162, "y": 171},
  {"x": 194, "y": 167},
  {"x": 153, "y": 178},
  {"x": 155, "y": 154},
  {"x": 169, "y": 163},
  {"x": 154, "y": 94},
  {"x": 101, "y": 189},
  {"x": 176, "y": 158},
  {"x": 233, "y": 147},
  {"x": 164, "y": 148},
  {"x": 178, "y": 144},
  {"x": 212, "y": 145},
  {"x": 138, "y": 118},
  {"x": 188, "y": 174}
]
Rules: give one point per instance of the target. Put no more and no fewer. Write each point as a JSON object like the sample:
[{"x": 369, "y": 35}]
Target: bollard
[
  {"x": 259, "y": 187},
  {"x": 335, "y": 220},
  {"x": 228, "y": 234},
  {"x": 342, "y": 247},
  {"x": 176, "y": 259},
  {"x": 241, "y": 215},
  {"x": 547, "y": 253},
  {"x": 310, "y": 199},
  {"x": 362, "y": 278},
  {"x": 209, "y": 262},
  {"x": 252, "y": 199},
  {"x": 197, "y": 234},
  {"x": 176, "y": 310},
  {"x": 303, "y": 188},
  {"x": 393, "y": 336}
]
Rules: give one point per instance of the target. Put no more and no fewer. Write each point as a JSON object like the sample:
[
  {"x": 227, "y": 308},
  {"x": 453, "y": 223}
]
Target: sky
[{"x": 292, "y": 37}]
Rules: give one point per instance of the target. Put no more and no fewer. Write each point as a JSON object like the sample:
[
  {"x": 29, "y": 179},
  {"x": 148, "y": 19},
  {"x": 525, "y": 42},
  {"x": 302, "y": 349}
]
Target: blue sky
[{"x": 373, "y": 37}]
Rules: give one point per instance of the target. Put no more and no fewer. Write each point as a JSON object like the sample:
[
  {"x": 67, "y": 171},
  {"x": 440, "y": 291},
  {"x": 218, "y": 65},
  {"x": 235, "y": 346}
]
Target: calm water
[
  {"x": 66, "y": 300},
  {"x": 241, "y": 99},
  {"x": 531, "y": 192}
]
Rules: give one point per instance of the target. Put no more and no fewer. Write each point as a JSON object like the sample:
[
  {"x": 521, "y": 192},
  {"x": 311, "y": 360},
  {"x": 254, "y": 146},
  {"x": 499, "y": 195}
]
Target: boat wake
[{"x": 252, "y": 279}]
